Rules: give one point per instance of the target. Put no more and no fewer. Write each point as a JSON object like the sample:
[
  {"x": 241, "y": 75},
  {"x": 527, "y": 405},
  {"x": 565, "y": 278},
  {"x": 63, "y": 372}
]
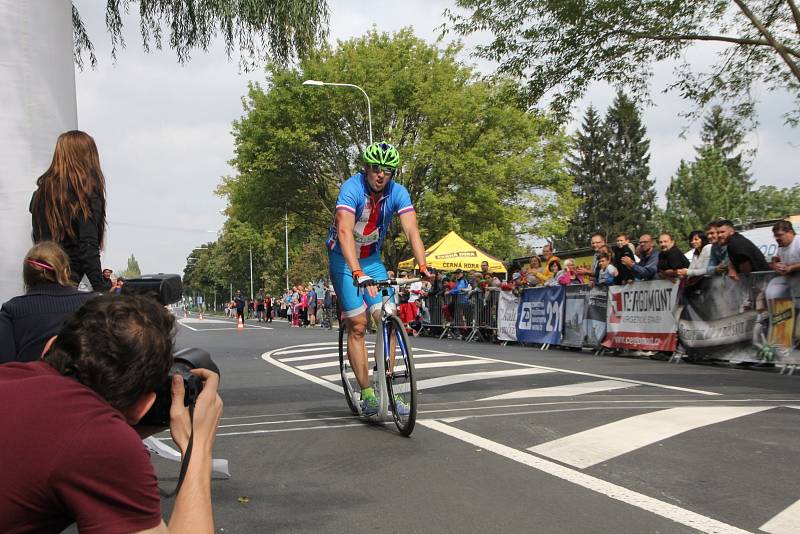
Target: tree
[
  {"x": 587, "y": 167},
  {"x": 702, "y": 191},
  {"x": 133, "y": 270},
  {"x": 626, "y": 201},
  {"x": 474, "y": 160},
  {"x": 563, "y": 46},
  {"x": 770, "y": 202},
  {"x": 726, "y": 135},
  {"x": 260, "y": 29}
]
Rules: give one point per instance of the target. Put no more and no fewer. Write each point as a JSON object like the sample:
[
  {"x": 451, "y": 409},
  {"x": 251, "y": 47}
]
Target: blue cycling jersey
[{"x": 373, "y": 213}]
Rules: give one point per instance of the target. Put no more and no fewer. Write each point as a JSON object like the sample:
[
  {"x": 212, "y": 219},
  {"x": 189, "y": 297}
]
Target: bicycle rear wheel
[
  {"x": 352, "y": 392},
  {"x": 401, "y": 382}
]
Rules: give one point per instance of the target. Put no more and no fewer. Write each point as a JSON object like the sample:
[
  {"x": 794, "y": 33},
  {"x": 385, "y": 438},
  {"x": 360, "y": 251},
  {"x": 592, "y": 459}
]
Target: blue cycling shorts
[{"x": 352, "y": 300}]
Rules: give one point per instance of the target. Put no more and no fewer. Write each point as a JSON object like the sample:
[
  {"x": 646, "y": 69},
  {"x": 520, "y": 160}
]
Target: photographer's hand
[{"x": 193, "y": 510}]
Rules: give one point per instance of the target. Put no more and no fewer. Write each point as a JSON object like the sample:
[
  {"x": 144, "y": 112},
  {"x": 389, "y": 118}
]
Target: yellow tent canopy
[{"x": 451, "y": 252}]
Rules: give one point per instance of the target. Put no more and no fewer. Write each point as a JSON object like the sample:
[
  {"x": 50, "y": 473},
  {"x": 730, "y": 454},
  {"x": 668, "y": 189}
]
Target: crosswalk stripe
[
  {"x": 568, "y": 390},
  {"x": 664, "y": 509},
  {"x": 312, "y": 357},
  {"x": 336, "y": 377},
  {"x": 605, "y": 442},
  {"x": 786, "y": 522},
  {"x": 429, "y": 383},
  {"x": 335, "y": 363},
  {"x": 319, "y": 346}
]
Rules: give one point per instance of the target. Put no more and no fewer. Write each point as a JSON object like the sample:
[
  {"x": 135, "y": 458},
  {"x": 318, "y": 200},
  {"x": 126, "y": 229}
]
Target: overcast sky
[{"x": 164, "y": 130}]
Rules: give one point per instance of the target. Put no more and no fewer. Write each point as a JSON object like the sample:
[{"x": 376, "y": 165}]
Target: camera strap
[{"x": 187, "y": 456}]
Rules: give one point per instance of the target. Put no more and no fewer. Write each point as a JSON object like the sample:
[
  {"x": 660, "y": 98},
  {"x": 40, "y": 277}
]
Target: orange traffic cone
[
  {"x": 201, "y": 315},
  {"x": 240, "y": 326}
]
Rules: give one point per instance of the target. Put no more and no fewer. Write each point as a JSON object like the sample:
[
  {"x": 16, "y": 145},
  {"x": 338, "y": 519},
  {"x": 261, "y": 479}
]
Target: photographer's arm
[{"x": 193, "y": 511}]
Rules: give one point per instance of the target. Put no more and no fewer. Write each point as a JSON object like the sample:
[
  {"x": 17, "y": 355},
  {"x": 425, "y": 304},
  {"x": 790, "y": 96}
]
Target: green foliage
[
  {"x": 716, "y": 185},
  {"x": 702, "y": 191},
  {"x": 609, "y": 163},
  {"x": 563, "y": 46},
  {"x": 133, "y": 270},
  {"x": 770, "y": 202},
  {"x": 472, "y": 157},
  {"x": 260, "y": 29}
]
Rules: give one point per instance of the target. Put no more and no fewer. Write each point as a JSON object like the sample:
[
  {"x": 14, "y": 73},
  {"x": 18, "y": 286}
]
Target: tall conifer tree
[
  {"x": 586, "y": 166},
  {"x": 629, "y": 193}
]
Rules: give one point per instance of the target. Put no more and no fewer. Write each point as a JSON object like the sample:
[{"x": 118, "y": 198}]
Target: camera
[
  {"x": 185, "y": 361},
  {"x": 168, "y": 289}
]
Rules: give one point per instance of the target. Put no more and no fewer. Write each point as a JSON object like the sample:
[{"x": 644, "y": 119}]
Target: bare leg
[{"x": 356, "y": 348}]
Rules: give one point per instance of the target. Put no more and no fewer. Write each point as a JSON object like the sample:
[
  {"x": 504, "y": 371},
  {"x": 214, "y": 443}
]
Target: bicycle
[{"x": 398, "y": 392}]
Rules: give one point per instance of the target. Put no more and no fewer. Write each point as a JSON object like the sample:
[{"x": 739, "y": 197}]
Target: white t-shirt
[
  {"x": 413, "y": 291},
  {"x": 790, "y": 254}
]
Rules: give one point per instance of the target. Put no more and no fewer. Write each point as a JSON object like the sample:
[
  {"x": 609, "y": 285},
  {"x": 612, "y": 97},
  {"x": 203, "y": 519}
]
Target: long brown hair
[
  {"x": 46, "y": 263},
  {"x": 73, "y": 174}
]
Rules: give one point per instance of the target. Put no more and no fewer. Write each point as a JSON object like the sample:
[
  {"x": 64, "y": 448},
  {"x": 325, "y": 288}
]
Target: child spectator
[{"x": 608, "y": 273}]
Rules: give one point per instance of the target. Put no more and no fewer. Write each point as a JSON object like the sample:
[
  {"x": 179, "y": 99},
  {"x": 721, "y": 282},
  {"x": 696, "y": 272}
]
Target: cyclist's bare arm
[{"x": 408, "y": 221}]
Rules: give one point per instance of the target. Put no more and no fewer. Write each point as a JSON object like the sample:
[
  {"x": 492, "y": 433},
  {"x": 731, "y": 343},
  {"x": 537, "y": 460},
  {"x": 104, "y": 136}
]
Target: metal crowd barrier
[{"x": 469, "y": 316}]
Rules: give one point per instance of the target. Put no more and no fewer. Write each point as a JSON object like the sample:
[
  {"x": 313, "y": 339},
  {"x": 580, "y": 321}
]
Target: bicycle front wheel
[
  {"x": 400, "y": 380},
  {"x": 349, "y": 383}
]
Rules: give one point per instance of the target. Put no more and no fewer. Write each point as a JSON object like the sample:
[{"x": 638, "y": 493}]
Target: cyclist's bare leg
[{"x": 356, "y": 348}]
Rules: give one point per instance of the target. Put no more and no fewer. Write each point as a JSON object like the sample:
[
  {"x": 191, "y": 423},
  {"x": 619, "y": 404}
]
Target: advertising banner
[
  {"x": 750, "y": 320},
  {"x": 595, "y": 323},
  {"x": 507, "y": 316},
  {"x": 640, "y": 316},
  {"x": 575, "y": 305},
  {"x": 540, "y": 315}
]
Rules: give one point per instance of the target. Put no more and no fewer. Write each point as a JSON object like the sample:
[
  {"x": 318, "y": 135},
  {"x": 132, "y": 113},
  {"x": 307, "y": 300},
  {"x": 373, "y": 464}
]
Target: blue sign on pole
[{"x": 540, "y": 315}]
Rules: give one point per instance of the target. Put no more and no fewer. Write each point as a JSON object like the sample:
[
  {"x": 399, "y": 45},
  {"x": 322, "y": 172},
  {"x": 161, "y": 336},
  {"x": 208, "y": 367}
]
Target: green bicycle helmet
[{"x": 382, "y": 153}]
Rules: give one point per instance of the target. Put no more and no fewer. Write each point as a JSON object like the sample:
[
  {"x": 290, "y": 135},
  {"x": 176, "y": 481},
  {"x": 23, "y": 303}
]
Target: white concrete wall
[{"x": 37, "y": 103}]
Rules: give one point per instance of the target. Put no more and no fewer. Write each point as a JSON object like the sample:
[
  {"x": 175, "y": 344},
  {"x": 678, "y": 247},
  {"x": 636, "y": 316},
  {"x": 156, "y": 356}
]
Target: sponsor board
[
  {"x": 507, "y": 316},
  {"x": 540, "y": 315},
  {"x": 640, "y": 316}
]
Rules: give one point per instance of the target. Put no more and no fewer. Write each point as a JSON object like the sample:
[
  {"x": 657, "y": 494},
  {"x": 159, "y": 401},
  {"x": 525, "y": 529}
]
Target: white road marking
[
  {"x": 336, "y": 361},
  {"x": 429, "y": 365},
  {"x": 786, "y": 522},
  {"x": 192, "y": 320},
  {"x": 248, "y": 327},
  {"x": 305, "y": 420},
  {"x": 471, "y": 377},
  {"x": 312, "y": 357},
  {"x": 276, "y": 430},
  {"x": 569, "y": 390},
  {"x": 187, "y": 326},
  {"x": 317, "y": 346},
  {"x": 581, "y": 373},
  {"x": 267, "y": 356},
  {"x": 602, "y": 443},
  {"x": 613, "y": 491}
]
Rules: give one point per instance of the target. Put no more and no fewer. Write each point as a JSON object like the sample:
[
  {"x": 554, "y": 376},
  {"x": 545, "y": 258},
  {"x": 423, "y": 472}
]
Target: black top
[
  {"x": 672, "y": 259},
  {"x": 745, "y": 255},
  {"x": 83, "y": 249},
  {"x": 29, "y": 320},
  {"x": 625, "y": 272}
]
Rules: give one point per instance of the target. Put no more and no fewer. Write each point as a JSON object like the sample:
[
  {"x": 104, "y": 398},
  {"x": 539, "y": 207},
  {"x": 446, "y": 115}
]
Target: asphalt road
[{"x": 509, "y": 439}]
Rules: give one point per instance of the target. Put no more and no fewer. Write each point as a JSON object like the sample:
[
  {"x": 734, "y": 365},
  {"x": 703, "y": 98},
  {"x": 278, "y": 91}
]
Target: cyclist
[{"x": 366, "y": 204}]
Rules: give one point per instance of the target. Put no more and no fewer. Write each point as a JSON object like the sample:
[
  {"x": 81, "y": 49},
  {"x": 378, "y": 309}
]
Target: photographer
[{"x": 70, "y": 453}]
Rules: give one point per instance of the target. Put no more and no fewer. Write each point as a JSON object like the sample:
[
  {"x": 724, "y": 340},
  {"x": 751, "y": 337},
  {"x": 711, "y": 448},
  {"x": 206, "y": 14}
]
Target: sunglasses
[{"x": 388, "y": 171}]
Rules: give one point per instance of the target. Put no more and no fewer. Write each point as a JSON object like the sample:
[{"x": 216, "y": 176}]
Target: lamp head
[{"x": 313, "y": 82}]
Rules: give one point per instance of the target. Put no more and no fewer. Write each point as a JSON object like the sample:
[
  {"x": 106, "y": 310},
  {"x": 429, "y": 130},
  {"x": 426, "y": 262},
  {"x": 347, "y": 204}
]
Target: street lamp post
[
  {"x": 251, "y": 272},
  {"x": 318, "y": 83},
  {"x": 287, "y": 250}
]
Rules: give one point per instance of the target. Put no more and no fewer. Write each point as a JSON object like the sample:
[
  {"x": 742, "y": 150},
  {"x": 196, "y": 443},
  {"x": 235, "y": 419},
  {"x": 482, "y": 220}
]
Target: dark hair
[
  {"x": 783, "y": 226},
  {"x": 120, "y": 346},
  {"x": 623, "y": 234},
  {"x": 550, "y": 266},
  {"x": 703, "y": 240},
  {"x": 599, "y": 234},
  {"x": 604, "y": 256},
  {"x": 723, "y": 222},
  {"x": 669, "y": 235}
]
